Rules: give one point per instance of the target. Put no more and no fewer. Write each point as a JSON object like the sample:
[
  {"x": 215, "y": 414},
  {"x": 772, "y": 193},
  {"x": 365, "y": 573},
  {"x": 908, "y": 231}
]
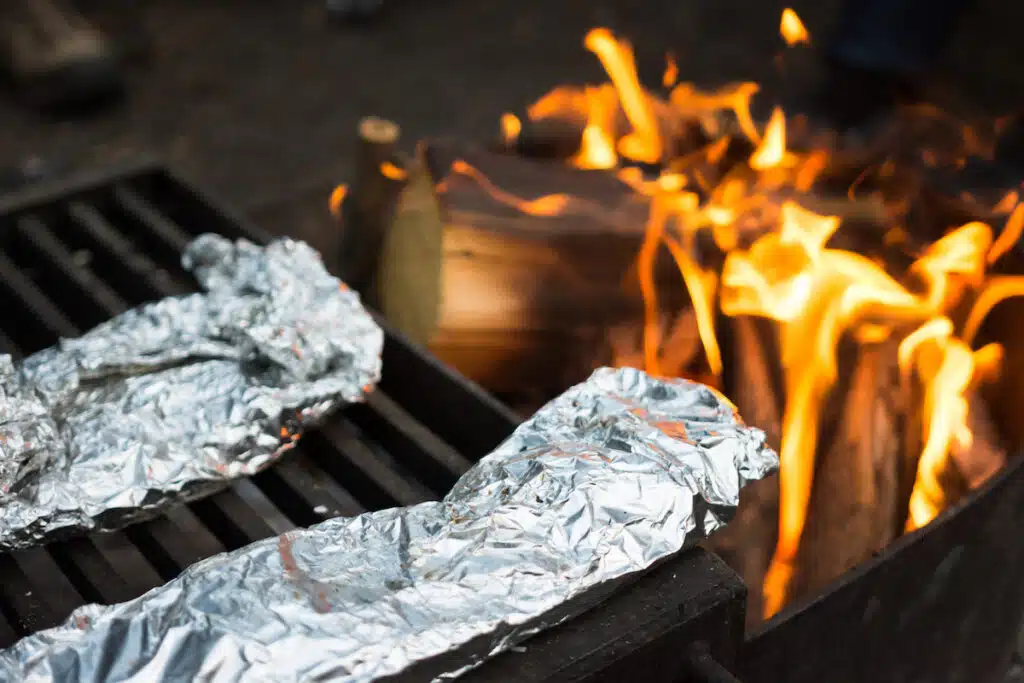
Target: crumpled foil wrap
[
  {"x": 617, "y": 473},
  {"x": 170, "y": 400}
]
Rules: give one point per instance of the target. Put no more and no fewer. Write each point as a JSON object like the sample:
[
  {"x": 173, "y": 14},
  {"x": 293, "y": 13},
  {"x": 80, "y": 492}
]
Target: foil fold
[
  {"x": 616, "y": 474},
  {"x": 168, "y": 401}
]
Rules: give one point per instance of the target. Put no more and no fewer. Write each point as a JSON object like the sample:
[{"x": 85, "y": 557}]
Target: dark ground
[{"x": 257, "y": 100}]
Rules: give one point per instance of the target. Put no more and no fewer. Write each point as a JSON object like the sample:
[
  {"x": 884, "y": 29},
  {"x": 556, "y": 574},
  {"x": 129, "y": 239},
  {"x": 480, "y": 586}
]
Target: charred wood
[
  {"x": 853, "y": 508},
  {"x": 748, "y": 542}
]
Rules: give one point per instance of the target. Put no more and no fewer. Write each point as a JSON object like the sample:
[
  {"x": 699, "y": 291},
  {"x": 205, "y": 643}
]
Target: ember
[{"x": 827, "y": 273}]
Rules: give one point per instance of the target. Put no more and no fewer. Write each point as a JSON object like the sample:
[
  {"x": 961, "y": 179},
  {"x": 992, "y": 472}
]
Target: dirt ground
[{"x": 256, "y": 100}]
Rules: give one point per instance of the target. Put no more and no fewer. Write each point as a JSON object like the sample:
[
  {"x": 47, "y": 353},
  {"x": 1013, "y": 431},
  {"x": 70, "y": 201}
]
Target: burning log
[
  {"x": 970, "y": 464},
  {"x": 854, "y": 509},
  {"x": 681, "y": 345},
  {"x": 749, "y": 540},
  {"x": 517, "y": 278}
]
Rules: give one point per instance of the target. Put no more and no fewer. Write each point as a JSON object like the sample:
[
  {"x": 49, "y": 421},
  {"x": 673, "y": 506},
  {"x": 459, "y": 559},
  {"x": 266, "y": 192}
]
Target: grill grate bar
[
  {"x": 451, "y": 405},
  {"x": 22, "y": 288},
  {"x": 21, "y": 603},
  {"x": 380, "y": 480},
  {"x": 172, "y": 239},
  {"x": 433, "y": 461},
  {"x": 245, "y": 498},
  {"x": 122, "y": 261},
  {"x": 85, "y": 567},
  {"x": 49, "y": 583},
  {"x": 8, "y": 634},
  {"x": 105, "y": 567},
  {"x": 302, "y": 488},
  {"x": 88, "y": 289}
]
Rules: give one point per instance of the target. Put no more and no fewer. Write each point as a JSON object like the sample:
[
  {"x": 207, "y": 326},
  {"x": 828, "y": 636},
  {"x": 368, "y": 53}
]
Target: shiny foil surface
[
  {"x": 168, "y": 401},
  {"x": 619, "y": 472}
]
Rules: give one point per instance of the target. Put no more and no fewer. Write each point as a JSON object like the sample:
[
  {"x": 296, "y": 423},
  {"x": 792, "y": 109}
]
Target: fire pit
[
  {"x": 853, "y": 295},
  {"x": 70, "y": 248}
]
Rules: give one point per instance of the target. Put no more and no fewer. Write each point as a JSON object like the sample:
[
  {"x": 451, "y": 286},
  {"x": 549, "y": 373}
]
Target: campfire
[{"x": 833, "y": 289}]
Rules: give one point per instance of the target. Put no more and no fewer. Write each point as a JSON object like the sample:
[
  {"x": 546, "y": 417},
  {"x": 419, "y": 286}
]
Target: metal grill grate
[{"x": 73, "y": 256}]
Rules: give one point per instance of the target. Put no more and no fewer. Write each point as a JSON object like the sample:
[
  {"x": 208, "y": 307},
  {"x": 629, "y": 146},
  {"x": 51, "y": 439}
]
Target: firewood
[
  {"x": 853, "y": 508},
  {"x": 748, "y": 542},
  {"x": 680, "y": 344},
  {"x": 531, "y": 278},
  {"x": 368, "y": 207},
  {"x": 409, "y": 268}
]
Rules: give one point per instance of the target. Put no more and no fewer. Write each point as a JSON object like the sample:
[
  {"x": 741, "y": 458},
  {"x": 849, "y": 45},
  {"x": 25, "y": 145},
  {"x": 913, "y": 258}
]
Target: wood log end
[{"x": 379, "y": 131}]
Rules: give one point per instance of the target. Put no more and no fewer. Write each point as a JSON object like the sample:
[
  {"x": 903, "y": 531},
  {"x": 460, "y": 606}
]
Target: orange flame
[
  {"x": 546, "y": 205},
  {"x": 1011, "y": 232},
  {"x": 771, "y": 153},
  {"x": 792, "y": 29},
  {"x": 511, "y": 126},
  {"x": 671, "y": 74},
  {"x": 947, "y": 368},
  {"x": 778, "y": 263},
  {"x": 392, "y": 172},
  {"x": 597, "y": 145},
  {"x": 644, "y": 142},
  {"x": 336, "y": 199}
]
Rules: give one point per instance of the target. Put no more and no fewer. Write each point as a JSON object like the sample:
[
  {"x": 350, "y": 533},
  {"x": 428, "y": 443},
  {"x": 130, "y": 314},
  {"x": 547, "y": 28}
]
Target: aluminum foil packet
[
  {"x": 616, "y": 474},
  {"x": 168, "y": 401}
]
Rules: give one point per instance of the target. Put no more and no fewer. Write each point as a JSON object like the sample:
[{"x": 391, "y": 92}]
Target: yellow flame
[
  {"x": 792, "y": 29},
  {"x": 597, "y": 146},
  {"x": 644, "y": 142},
  {"x": 960, "y": 253},
  {"x": 946, "y": 373},
  {"x": 511, "y": 126},
  {"x": 687, "y": 101},
  {"x": 771, "y": 153},
  {"x": 778, "y": 263},
  {"x": 816, "y": 294},
  {"x": 936, "y": 328}
]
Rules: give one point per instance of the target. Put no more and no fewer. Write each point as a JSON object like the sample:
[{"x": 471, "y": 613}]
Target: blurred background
[{"x": 258, "y": 100}]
